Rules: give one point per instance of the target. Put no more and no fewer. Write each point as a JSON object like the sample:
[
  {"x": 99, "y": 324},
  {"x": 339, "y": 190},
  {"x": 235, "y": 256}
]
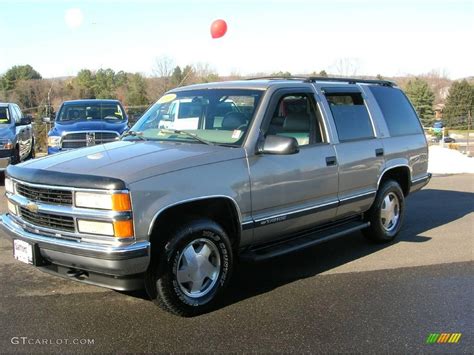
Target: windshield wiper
[
  {"x": 189, "y": 134},
  {"x": 137, "y": 134}
]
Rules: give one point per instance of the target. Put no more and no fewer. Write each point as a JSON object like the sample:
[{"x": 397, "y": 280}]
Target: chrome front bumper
[{"x": 109, "y": 265}]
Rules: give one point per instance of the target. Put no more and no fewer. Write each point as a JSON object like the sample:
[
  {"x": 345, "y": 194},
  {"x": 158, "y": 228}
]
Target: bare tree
[
  {"x": 163, "y": 67},
  {"x": 162, "y": 71},
  {"x": 346, "y": 66}
]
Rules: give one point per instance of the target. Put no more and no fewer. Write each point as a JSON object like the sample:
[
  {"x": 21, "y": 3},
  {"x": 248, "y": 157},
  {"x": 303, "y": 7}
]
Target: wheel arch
[
  {"x": 401, "y": 173},
  {"x": 220, "y": 208}
]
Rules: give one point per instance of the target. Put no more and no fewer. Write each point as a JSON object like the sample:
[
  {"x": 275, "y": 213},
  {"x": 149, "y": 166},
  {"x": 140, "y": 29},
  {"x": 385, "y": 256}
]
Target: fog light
[
  {"x": 12, "y": 208},
  {"x": 95, "y": 227}
]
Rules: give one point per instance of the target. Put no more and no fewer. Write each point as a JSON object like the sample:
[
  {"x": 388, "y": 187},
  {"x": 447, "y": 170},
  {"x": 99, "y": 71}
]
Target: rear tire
[
  {"x": 189, "y": 272},
  {"x": 386, "y": 214}
]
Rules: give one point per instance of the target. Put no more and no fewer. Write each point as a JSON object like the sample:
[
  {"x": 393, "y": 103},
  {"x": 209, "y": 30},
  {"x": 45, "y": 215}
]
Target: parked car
[
  {"x": 449, "y": 139},
  {"x": 16, "y": 136},
  {"x": 306, "y": 161},
  {"x": 185, "y": 113},
  {"x": 84, "y": 123}
]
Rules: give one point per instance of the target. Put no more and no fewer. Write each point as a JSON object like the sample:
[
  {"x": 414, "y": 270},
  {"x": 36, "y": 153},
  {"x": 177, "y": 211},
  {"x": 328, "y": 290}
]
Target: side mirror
[
  {"x": 46, "y": 119},
  {"x": 166, "y": 117},
  {"x": 280, "y": 145},
  {"x": 25, "y": 121}
]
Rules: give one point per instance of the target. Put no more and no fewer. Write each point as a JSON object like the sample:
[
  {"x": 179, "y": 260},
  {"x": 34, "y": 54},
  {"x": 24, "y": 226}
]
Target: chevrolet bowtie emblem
[{"x": 32, "y": 207}]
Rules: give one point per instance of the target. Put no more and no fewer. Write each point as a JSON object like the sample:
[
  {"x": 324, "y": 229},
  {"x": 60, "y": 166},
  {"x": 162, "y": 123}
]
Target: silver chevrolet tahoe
[{"x": 258, "y": 169}]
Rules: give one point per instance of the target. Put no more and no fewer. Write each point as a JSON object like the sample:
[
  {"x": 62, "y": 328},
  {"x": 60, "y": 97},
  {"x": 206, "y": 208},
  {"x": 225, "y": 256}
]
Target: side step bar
[{"x": 302, "y": 241}]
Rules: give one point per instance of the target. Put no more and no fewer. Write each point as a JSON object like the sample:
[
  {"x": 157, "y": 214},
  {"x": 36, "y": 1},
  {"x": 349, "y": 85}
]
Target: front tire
[
  {"x": 189, "y": 272},
  {"x": 386, "y": 214},
  {"x": 32, "y": 151},
  {"x": 15, "y": 159}
]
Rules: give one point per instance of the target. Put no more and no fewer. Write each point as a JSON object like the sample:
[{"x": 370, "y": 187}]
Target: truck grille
[
  {"x": 64, "y": 223},
  {"x": 41, "y": 194},
  {"x": 87, "y": 139}
]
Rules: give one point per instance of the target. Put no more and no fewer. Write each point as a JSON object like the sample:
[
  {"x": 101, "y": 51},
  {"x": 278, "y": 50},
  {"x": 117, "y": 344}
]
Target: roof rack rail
[
  {"x": 312, "y": 79},
  {"x": 278, "y": 78}
]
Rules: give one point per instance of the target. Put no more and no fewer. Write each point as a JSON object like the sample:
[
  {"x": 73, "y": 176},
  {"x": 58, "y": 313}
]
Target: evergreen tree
[
  {"x": 458, "y": 103},
  {"x": 177, "y": 76},
  {"x": 84, "y": 82},
  {"x": 17, "y": 73},
  {"x": 106, "y": 84},
  {"x": 136, "y": 93},
  {"x": 422, "y": 98}
]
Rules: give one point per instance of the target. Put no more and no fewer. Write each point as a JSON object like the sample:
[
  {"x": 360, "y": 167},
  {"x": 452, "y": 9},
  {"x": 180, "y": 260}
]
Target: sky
[{"x": 365, "y": 37}]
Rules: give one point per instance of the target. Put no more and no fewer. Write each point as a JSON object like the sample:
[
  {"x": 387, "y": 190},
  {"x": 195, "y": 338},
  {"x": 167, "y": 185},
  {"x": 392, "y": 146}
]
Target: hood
[
  {"x": 131, "y": 161},
  {"x": 91, "y": 125}
]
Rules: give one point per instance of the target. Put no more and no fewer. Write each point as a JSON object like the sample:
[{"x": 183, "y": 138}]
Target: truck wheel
[
  {"x": 15, "y": 159},
  {"x": 32, "y": 151},
  {"x": 386, "y": 214},
  {"x": 189, "y": 272}
]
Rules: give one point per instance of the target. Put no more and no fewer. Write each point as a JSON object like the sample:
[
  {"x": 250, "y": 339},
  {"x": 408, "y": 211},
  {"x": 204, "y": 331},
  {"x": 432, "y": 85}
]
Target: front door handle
[
  {"x": 330, "y": 161},
  {"x": 379, "y": 152}
]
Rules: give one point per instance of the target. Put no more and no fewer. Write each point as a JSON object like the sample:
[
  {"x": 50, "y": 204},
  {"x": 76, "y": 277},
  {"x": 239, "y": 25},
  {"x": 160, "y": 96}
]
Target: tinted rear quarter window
[{"x": 399, "y": 114}]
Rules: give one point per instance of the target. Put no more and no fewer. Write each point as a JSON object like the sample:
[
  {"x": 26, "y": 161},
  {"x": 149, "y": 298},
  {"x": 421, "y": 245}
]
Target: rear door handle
[
  {"x": 330, "y": 161},
  {"x": 379, "y": 152}
]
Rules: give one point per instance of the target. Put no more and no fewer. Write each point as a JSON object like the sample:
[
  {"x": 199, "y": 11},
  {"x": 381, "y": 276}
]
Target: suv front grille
[
  {"x": 87, "y": 139},
  {"x": 51, "y": 221},
  {"x": 41, "y": 194}
]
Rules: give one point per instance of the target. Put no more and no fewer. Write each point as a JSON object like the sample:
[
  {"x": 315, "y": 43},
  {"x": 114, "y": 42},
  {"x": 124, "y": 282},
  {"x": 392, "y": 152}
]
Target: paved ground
[{"x": 344, "y": 296}]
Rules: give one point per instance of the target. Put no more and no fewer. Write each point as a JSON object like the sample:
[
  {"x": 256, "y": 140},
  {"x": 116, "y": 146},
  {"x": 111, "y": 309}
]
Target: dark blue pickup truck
[{"x": 84, "y": 123}]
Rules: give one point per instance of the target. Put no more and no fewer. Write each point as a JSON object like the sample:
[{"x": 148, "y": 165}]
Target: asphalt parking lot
[{"x": 343, "y": 296}]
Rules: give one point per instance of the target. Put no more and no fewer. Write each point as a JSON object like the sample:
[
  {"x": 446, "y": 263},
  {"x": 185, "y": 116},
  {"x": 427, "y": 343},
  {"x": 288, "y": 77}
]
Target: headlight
[
  {"x": 54, "y": 141},
  {"x": 7, "y": 144},
  {"x": 9, "y": 185},
  {"x": 115, "y": 202}
]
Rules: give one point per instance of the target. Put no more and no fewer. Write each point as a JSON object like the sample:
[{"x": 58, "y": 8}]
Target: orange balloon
[{"x": 218, "y": 28}]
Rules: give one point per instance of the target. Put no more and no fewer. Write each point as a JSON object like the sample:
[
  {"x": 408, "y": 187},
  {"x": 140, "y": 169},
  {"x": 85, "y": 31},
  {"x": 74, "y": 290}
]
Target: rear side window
[
  {"x": 350, "y": 116},
  {"x": 399, "y": 115}
]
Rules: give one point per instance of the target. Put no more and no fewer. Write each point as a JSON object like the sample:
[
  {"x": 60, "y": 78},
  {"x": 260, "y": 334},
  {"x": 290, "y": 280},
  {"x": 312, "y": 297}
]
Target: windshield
[
  {"x": 220, "y": 116},
  {"x": 4, "y": 115},
  {"x": 91, "y": 111}
]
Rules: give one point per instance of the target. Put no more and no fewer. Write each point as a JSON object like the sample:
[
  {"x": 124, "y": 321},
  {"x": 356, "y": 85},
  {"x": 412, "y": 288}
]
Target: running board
[{"x": 302, "y": 241}]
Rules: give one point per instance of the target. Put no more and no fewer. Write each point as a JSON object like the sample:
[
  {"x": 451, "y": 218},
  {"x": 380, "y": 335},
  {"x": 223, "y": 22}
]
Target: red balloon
[{"x": 218, "y": 28}]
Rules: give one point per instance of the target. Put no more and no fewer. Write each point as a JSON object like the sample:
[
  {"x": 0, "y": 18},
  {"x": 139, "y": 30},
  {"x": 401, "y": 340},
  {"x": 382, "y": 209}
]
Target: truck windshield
[
  {"x": 91, "y": 111},
  {"x": 220, "y": 116},
  {"x": 4, "y": 116}
]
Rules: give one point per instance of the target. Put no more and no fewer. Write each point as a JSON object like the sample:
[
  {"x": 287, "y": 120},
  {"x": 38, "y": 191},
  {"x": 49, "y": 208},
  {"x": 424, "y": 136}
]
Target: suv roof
[
  {"x": 263, "y": 83},
  {"x": 86, "y": 101}
]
